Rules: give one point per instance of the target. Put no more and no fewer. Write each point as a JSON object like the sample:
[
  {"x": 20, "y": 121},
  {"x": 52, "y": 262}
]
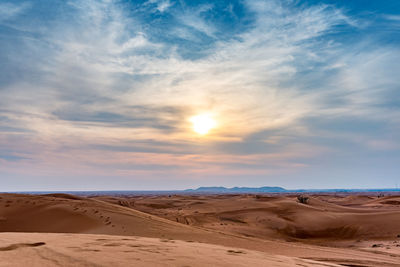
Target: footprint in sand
[
  {"x": 236, "y": 252},
  {"x": 112, "y": 245},
  {"x": 167, "y": 240},
  {"x": 21, "y": 245}
]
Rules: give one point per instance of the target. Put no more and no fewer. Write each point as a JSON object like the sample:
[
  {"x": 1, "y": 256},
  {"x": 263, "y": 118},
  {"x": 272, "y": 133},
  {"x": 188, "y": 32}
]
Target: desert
[
  {"x": 199, "y": 230},
  {"x": 191, "y": 133}
]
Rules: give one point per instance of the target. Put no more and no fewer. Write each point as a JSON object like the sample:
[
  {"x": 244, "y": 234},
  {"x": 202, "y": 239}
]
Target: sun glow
[{"x": 203, "y": 123}]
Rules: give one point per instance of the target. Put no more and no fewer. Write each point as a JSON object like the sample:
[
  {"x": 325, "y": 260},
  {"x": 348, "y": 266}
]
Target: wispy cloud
[
  {"x": 392, "y": 17},
  {"x": 283, "y": 85},
  {"x": 10, "y": 10},
  {"x": 160, "y": 5}
]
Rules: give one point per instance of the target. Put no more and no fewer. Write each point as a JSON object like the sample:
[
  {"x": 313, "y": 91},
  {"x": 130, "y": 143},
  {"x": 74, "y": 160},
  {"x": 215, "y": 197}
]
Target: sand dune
[
  {"x": 265, "y": 225},
  {"x": 69, "y": 214},
  {"x": 280, "y": 217},
  {"x": 105, "y": 250}
]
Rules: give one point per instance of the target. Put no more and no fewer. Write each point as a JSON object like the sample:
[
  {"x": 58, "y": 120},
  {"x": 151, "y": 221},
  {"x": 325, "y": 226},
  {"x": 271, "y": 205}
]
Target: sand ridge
[
  {"x": 242, "y": 222},
  {"x": 280, "y": 217}
]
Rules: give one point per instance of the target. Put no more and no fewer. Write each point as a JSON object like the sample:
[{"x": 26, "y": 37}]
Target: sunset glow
[{"x": 203, "y": 123}]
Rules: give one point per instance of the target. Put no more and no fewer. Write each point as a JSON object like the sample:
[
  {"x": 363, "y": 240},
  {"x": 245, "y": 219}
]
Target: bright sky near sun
[
  {"x": 203, "y": 123},
  {"x": 164, "y": 94}
]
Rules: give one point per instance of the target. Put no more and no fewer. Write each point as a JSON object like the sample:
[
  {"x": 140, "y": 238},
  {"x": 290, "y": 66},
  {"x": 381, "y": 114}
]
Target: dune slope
[
  {"x": 69, "y": 214},
  {"x": 105, "y": 250},
  {"x": 279, "y": 217}
]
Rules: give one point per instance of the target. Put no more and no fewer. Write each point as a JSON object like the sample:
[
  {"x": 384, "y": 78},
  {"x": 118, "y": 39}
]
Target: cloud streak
[{"x": 123, "y": 78}]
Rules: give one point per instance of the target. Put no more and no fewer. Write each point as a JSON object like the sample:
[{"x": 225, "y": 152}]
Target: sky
[{"x": 101, "y": 94}]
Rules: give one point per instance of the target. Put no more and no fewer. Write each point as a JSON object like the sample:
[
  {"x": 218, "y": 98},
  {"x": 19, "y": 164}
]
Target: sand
[
  {"x": 105, "y": 250},
  {"x": 197, "y": 230},
  {"x": 281, "y": 217}
]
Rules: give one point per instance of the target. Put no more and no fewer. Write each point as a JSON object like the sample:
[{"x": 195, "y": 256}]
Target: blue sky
[{"x": 101, "y": 94}]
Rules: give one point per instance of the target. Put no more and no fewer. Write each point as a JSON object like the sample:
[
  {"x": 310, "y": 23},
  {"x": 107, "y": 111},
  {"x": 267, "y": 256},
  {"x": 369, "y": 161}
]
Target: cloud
[
  {"x": 392, "y": 17},
  {"x": 11, "y": 157},
  {"x": 10, "y": 10},
  {"x": 194, "y": 18},
  {"x": 161, "y": 5},
  {"x": 161, "y": 118},
  {"x": 124, "y": 78}
]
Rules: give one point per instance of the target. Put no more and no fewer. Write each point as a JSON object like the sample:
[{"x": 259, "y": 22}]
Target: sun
[{"x": 203, "y": 123}]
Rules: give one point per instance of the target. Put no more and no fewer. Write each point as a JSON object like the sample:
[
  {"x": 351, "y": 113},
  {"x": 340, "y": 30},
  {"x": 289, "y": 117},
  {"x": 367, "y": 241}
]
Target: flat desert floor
[{"x": 199, "y": 230}]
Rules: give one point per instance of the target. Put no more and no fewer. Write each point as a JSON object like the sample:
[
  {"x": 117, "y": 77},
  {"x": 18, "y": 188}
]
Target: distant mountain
[
  {"x": 220, "y": 189},
  {"x": 277, "y": 189}
]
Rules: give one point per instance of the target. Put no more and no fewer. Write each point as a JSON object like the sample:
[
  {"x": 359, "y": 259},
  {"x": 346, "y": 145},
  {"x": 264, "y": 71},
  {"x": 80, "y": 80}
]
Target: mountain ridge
[{"x": 270, "y": 189}]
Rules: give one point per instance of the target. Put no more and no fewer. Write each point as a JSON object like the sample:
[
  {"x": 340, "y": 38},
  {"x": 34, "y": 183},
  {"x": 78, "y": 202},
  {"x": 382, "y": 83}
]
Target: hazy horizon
[
  {"x": 165, "y": 94},
  {"x": 203, "y": 189}
]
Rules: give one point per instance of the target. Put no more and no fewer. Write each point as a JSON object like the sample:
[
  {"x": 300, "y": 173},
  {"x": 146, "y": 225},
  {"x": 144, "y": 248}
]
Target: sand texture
[
  {"x": 215, "y": 230},
  {"x": 32, "y": 249}
]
